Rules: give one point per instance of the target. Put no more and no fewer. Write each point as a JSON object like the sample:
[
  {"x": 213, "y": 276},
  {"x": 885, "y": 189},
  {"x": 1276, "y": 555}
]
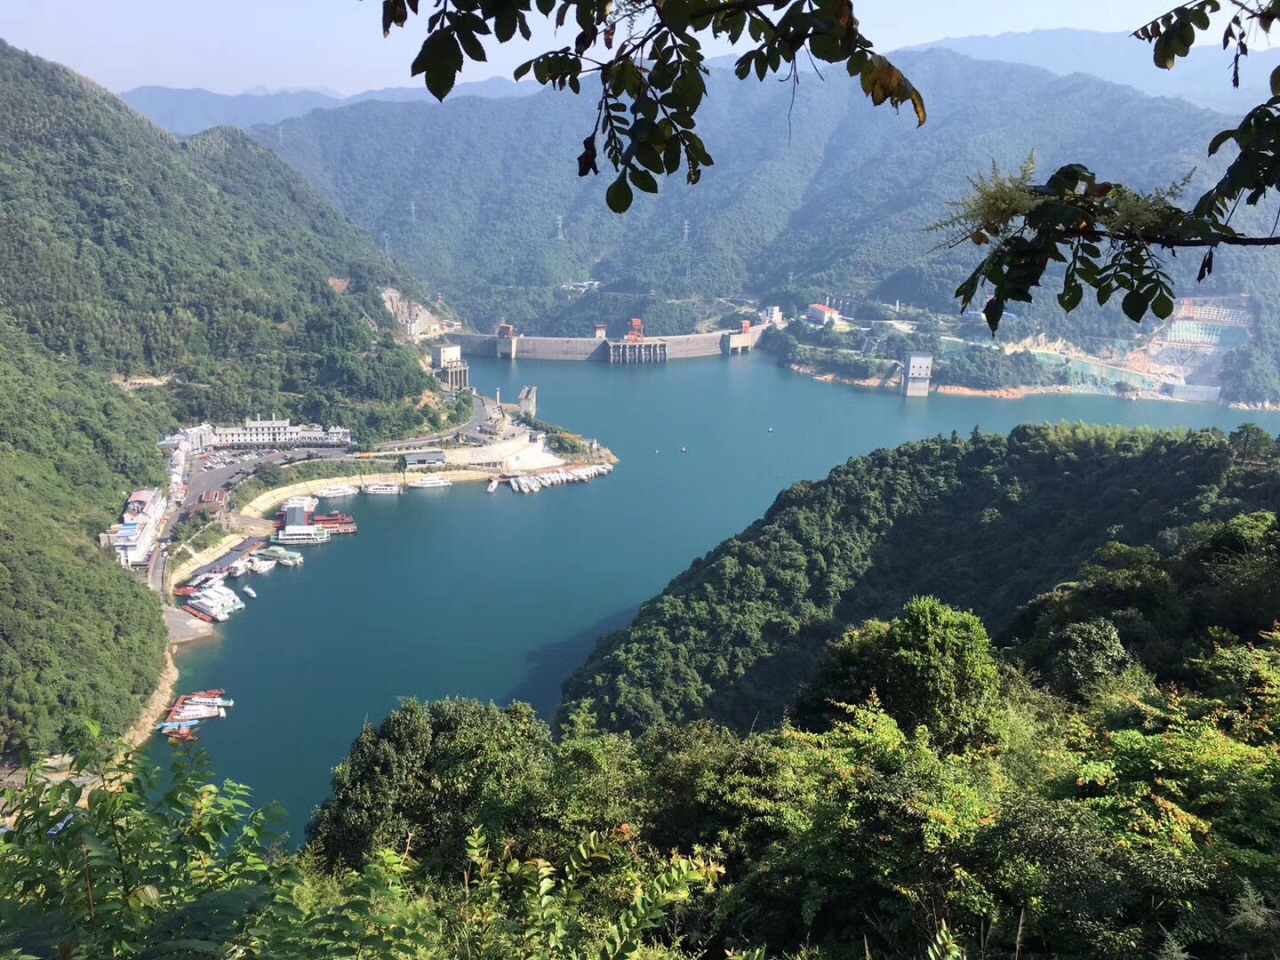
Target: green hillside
[
  {"x": 825, "y": 193},
  {"x": 78, "y": 635},
  {"x": 126, "y": 251},
  {"x": 732, "y": 636},
  {"x": 204, "y": 259}
]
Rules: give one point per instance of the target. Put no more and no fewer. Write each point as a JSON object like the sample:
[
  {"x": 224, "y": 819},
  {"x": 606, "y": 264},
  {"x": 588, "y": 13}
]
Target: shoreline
[
  {"x": 166, "y": 689},
  {"x": 1012, "y": 393}
]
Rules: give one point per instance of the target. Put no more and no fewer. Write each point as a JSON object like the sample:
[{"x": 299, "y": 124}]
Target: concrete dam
[{"x": 603, "y": 350}]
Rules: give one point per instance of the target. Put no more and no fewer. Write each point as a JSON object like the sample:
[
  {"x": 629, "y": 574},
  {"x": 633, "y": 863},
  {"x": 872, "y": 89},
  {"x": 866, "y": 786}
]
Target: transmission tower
[
  {"x": 280, "y": 135},
  {"x": 413, "y": 210},
  {"x": 559, "y": 226},
  {"x": 684, "y": 234},
  {"x": 386, "y": 243}
]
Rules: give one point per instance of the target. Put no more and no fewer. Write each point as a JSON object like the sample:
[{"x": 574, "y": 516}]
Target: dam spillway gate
[{"x": 642, "y": 351}]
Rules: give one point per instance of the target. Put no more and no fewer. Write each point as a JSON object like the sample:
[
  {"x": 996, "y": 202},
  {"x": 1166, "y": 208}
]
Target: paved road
[
  {"x": 479, "y": 413},
  {"x": 201, "y": 481}
]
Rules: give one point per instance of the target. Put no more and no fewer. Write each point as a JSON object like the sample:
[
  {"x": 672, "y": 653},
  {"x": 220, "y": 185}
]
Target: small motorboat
[{"x": 249, "y": 591}]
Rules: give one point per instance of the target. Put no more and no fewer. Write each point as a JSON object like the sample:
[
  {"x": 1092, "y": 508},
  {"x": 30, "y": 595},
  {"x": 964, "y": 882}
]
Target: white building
[
  {"x": 821, "y": 314},
  {"x": 279, "y": 433},
  {"x": 134, "y": 537},
  {"x": 917, "y": 369}
]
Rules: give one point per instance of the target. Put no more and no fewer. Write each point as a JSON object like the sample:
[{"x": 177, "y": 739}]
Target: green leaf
[
  {"x": 471, "y": 45},
  {"x": 440, "y": 59},
  {"x": 643, "y": 180},
  {"x": 1134, "y": 305},
  {"x": 1070, "y": 296},
  {"x": 1162, "y": 305},
  {"x": 618, "y": 196}
]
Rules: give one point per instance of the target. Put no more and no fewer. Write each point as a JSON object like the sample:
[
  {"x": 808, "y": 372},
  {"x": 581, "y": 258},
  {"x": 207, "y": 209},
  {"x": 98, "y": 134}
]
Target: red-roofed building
[{"x": 822, "y": 314}]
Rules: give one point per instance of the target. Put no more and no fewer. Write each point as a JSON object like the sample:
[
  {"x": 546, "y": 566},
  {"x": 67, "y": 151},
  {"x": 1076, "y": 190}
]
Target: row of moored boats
[
  {"x": 192, "y": 709},
  {"x": 207, "y": 596},
  {"x": 534, "y": 482}
]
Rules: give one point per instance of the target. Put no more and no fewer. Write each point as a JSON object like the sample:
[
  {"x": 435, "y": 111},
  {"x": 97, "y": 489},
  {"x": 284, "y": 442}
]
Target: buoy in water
[
  {"x": 771, "y": 429},
  {"x": 684, "y": 449}
]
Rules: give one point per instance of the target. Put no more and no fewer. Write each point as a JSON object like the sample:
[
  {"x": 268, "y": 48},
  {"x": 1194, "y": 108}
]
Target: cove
[{"x": 458, "y": 592}]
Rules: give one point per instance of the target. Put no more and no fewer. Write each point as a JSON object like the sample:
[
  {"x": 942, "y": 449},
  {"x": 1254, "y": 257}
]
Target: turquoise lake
[{"x": 458, "y": 592}]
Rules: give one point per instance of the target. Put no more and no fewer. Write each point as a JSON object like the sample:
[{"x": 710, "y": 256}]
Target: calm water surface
[{"x": 457, "y": 592}]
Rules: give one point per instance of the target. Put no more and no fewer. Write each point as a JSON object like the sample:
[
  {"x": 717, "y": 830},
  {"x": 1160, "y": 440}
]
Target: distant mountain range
[
  {"x": 186, "y": 111},
  {"x": 818, "y": 194},
  {"x": 1204, "y": 78}
]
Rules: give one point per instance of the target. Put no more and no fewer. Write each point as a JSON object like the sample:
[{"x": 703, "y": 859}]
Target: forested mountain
[
  {"x": 126, "y": 251},
  {"x": 813, "y": 190},
  {"x": 78, "y": 635},
  {"x": 1203, "y": 78},
  {"x": 187, "y": 111},
  {"x": 983, "y": 523},
  {"x": 205, "y": 260}
]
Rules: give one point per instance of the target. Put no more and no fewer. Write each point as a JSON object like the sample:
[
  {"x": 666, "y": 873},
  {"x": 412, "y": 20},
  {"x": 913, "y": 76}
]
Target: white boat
[
  {"x": 382, "y": 488},
  {"x": 302, "y": 534},
  {"x": 263, "y": 565},
  {"x": 308, "y": 504},
  {"x": 493, "y": 484},
  {"x": 329, "y": 493},
  {"x": 426, "y": 482},
  {"x": 250, "y": 592},
  {"x": 240, "y": 567}
]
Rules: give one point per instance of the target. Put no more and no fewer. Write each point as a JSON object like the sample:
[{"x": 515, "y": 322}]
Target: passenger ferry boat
[
  {"x": 384, "y": 488},
  {"x": 427, "y": 482},
  {"x": 342, "y": 490},
  {"x": 281, "y": 554},
  {"x": 300, "y": 535}
]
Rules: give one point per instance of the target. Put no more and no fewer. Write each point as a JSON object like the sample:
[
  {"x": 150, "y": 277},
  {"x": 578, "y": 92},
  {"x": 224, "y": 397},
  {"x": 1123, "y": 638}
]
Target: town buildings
[{"x": 134, "y": 537}]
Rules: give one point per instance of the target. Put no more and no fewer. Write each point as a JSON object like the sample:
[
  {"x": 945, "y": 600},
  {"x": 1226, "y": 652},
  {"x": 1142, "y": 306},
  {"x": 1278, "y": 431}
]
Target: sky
[{"x": 232, "y": 46}]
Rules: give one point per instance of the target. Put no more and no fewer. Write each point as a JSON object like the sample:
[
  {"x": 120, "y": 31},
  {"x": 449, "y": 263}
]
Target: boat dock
[{"x": 192, "y": 709}]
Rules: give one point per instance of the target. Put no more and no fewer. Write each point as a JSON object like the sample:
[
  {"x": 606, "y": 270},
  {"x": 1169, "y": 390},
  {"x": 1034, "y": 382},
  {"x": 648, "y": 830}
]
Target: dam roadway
[{"x": 648, "y": 350}]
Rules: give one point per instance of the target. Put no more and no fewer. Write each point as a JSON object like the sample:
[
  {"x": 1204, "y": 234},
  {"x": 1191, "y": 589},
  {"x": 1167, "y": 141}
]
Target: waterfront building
[
  {"x": 450, "y": 369},
  {"x": 280, "y": 433},
  {"x": 529, "y": 401},
  {"x": 917, "y": 369},
  {"x": 426, "y": 458}
]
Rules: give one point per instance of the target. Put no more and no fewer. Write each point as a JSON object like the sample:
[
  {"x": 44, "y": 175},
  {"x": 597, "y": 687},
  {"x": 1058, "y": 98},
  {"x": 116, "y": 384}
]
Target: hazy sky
[{"x": 235, "y": 45}]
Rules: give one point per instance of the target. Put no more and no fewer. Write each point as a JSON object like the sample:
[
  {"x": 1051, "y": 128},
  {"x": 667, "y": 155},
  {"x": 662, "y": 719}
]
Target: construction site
[{"x": 1181, "y": 359}]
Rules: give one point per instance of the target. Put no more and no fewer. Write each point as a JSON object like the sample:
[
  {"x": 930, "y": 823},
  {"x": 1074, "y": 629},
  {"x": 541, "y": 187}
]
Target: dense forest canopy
[
  {"x": 205, "y": 260},
  {"x": 732, "y": 636},
  {"x": 78, "y": 635}
]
